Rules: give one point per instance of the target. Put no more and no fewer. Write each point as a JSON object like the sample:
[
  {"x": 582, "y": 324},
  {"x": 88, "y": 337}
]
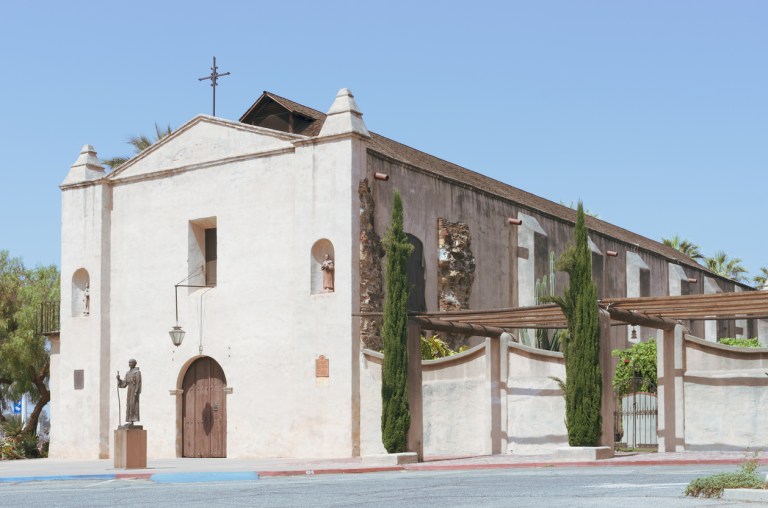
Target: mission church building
[{"x": 260, "y": 239}]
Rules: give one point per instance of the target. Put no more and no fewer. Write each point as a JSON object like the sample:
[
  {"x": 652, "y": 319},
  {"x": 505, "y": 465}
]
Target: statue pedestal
[{"x": 131, "y": 448}]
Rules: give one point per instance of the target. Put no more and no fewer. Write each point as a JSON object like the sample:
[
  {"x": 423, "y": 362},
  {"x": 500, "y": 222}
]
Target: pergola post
[
  {"x": 671, "y": 412},
  {"x": 415, "y": 405},
  {"x": 607, "y": 401}
]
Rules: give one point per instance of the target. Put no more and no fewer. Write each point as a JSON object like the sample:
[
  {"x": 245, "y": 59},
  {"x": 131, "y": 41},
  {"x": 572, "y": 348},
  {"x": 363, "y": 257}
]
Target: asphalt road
[{"x": 624, "y": 487}]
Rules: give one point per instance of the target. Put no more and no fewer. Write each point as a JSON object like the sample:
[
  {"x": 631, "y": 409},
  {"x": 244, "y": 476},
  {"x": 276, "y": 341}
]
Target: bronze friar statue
[{"x": 132, "y": 381}]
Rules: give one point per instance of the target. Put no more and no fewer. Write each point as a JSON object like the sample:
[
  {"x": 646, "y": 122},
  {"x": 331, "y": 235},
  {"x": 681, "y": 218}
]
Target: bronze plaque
[{"x": 321, "y": 367}]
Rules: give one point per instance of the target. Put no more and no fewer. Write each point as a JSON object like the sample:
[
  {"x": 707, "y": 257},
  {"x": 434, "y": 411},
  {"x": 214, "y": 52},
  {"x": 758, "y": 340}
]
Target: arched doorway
[{"x": 204, "y": 410}]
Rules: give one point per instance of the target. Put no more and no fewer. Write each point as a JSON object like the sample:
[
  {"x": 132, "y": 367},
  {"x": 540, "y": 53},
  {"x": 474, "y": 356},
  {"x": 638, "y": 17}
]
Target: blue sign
[{"x": 17, "y": 408}]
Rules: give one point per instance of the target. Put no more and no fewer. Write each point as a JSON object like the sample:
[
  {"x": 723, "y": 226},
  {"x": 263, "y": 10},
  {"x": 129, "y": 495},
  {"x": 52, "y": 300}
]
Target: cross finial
[{"x": 214, "y": 81}]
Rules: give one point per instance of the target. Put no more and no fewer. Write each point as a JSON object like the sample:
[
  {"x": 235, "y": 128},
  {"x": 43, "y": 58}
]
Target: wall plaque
[{"x": 321, "y": 367}]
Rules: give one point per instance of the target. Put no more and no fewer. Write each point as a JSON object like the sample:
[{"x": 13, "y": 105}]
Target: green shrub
[
  {"x": 740, "y": 342},
  {"x": 435, "y": 347},
  {"x": 637, "y": 361},
  {"x": 712, "y": 486}
]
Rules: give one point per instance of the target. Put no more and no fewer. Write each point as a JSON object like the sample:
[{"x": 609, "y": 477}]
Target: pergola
[{"x": 662, "y": 312}]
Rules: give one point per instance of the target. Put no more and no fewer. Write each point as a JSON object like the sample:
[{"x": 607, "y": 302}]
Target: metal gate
[{"x": 636, "y": 416}]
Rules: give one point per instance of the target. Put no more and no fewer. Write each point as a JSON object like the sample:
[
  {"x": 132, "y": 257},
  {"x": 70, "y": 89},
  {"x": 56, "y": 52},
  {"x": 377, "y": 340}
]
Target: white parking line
[
  {"x": 100, "y": 483},
  {"x": 633, "y": 485}
]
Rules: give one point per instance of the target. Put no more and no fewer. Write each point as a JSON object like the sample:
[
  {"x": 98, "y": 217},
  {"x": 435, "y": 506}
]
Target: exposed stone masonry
[
  {"x": 371, "y": 279},
  {"x": 455, "y": 265}
]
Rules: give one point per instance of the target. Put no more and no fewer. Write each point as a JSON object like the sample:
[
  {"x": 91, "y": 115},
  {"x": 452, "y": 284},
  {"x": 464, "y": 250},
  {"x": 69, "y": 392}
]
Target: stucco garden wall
[
  {"x": 535, "y": 403},
  {"x": 457, "y": 398},
  {"x": 472, "y": 401},
  {"x": 725, "y": 393},
  {"x": 456, "y": 416}
]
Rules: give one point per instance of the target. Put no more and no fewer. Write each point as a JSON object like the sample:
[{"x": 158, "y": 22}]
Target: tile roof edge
[{"x": 590, "y": 219}]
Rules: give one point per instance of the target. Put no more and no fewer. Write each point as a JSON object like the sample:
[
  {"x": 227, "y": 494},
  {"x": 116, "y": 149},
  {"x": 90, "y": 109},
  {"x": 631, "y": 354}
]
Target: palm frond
[{"x": 115, "y": 161}]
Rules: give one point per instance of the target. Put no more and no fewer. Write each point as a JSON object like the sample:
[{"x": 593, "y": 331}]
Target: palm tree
[
  {"x": 761, "y": 278},
  {"x": 732, "y": 268},
  {"x": 139, "y": 143},
  {"x": 688, "y": 248}
]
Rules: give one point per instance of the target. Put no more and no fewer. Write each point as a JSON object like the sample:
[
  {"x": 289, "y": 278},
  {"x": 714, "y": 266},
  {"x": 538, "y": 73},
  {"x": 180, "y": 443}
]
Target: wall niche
[
  {"x": 81, "y": 293},
  {"x": 322, "y": 268}
]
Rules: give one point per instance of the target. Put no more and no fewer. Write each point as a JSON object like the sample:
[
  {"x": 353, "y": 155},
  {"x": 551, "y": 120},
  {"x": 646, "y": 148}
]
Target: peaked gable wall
[{"x": 203, "y": 140}]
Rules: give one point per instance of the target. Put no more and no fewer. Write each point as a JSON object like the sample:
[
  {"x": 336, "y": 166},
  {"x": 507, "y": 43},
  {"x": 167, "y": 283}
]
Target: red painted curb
[
  {"x": 518, "y": 465},
  {"x": 313, "y": 472},
  {"x": 513, "y": 465},
  {"x": 133, "y": 476}
]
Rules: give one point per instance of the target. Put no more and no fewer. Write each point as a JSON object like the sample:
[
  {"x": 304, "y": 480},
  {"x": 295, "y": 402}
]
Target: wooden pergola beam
[
  {"x": 662, "y": 312},
  {"x": 633, "y": 318},
  {"x": 456, "y": 327}
]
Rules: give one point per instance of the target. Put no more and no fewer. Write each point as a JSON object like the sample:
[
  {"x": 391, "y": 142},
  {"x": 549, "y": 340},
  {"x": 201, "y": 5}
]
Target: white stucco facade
[{"x": 136, "y": 232}]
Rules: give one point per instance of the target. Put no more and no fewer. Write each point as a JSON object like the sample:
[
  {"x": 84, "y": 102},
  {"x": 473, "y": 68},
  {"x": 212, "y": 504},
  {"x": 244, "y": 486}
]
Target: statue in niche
[
  {"x": 87, "y": 299},
  {"x": 132, "y": 381},
  {"x": 328, "y": 269}
]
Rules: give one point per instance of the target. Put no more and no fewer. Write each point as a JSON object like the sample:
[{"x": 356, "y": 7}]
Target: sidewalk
[{"x": 202, "y": 470}]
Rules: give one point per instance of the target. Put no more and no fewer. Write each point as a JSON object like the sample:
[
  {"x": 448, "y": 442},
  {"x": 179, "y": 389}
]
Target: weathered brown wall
[{"x": 427, "y": 197}]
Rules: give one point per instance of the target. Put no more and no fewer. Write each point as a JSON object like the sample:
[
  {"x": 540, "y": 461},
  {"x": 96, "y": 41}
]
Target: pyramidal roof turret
[
  {"x": 86, "y": 167},
  {"x": 344, "y": 117}
]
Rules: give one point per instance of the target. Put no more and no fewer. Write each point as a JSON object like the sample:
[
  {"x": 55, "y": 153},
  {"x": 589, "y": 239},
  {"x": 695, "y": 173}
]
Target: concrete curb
[
  {"x": 44, "y": 478},
  {"x": 251, "y": 475},
  {"x": 749, "y": 495}
]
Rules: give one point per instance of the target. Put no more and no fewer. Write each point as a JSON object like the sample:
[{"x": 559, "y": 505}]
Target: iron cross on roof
[{"x": 214, "y": 81}]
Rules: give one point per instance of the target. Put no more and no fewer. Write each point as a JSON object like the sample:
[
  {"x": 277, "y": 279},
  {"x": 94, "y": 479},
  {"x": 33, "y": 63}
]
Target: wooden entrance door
[{"x": 204, "y": 410}]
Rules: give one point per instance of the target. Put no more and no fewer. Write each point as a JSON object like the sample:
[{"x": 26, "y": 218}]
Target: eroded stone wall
[
  {"x": 455, "y": 265},
  {"x": 371, "y": 279}
]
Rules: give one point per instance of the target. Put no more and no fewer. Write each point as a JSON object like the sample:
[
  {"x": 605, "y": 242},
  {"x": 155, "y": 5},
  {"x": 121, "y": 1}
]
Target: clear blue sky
[{"x": 654, "y": 113}]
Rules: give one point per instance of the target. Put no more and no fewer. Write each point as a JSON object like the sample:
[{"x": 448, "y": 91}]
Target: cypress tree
[
  {"x": 583, "y": 380},
  {"x": 395, "y": 415}
]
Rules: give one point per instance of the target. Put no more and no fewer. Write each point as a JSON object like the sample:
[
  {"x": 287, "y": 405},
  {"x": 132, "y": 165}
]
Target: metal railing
[{"x": 48, "y": 322}]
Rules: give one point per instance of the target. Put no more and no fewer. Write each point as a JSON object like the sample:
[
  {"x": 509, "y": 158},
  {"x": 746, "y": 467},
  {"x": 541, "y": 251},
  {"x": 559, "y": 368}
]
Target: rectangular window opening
[
  {"x": 210, "y": 257},
  {"x": 202, "y": 253}
]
